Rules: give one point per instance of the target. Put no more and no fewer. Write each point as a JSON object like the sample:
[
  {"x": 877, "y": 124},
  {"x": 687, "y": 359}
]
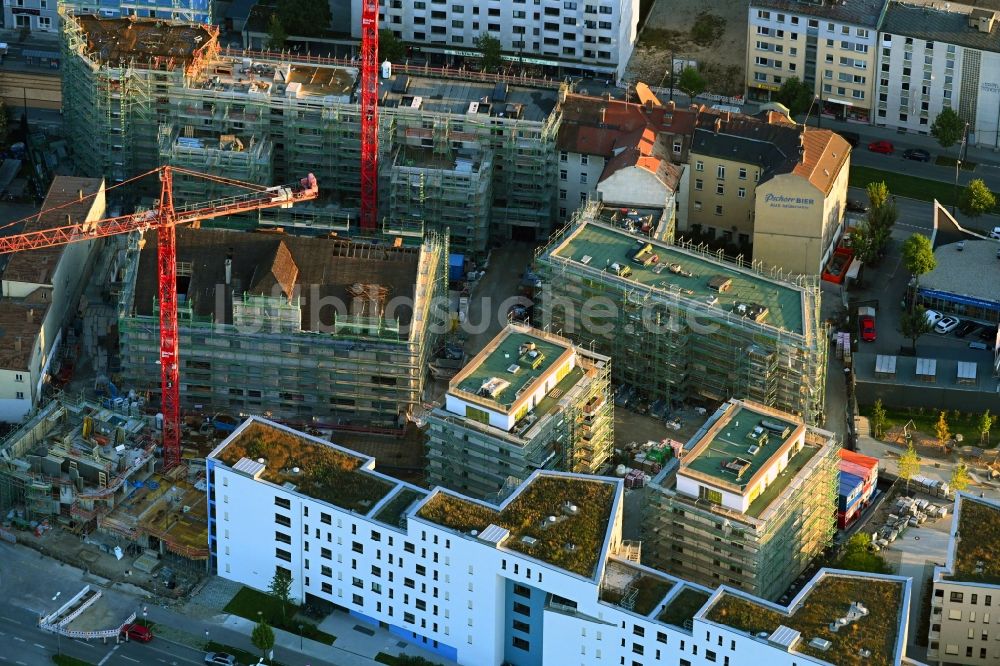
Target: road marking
[
  {"x": 20, "y": 663},
  {"x": 130, "y": 659},
  {"x": 38, "y": 645},
  {"x": 19, "y": 639},
  {"x": 7, "y": 619},
  {"x": 108, "y": 656},
  {"x": 77, "y": 640}
]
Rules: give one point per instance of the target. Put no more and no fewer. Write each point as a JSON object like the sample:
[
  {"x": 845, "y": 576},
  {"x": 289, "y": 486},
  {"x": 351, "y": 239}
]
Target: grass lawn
[
  {"x": 248, "y": 602},
  {"x": 944, "y": 160},
  {"x": 66, "y": 660},
  {"x": 902, "y": 185},
  {"x": 967, "y": 424}
]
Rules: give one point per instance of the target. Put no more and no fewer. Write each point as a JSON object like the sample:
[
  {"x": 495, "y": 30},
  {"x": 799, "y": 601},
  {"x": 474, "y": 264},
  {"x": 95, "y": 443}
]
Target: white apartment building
[
  {"x": 542, "y": 578},
  {"x": 830, "y": 45},
  {"x": 43, "y": 15},
  {"x": 933, "y": 57},
  {"x": 592, "y": 35}
]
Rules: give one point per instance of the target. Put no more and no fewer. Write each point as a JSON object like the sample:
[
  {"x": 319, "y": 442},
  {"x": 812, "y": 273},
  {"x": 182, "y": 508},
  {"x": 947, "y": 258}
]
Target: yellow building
[
  {"x": 764, "y": 185},
  {"x": 830, "y": 46}
]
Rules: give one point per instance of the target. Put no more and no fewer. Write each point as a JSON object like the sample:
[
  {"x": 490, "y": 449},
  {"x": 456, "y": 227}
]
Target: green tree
[
  {"x": 947, "y": 128},
  {"x": 304, "y": 18},
  {"x": 985, "y": 425},
  {"x": 960, "y": 478},
  {"x": 390, "y": 47},
  {"x": 878, "y": 418},
  {"x": 882, "y": 215},
  {"x": 976, "y": 199},
  {"x": 858, "y": 556},
  {"x": 918, "y": 255},
  {"x": 276, "y": 35},
  {"x": 691, "y": 82},
  {"x": 492, "y": 50},
  {"x": 794, "y": 94},
  {"x": 262, "y": 637},
  {"x": 941, "y": 429},
  {"x": 878, "y": 193},
  {"x": 914, "y": 324},
  {"x": 909, "y": 464},
  {"x": 280, "y": 588}
]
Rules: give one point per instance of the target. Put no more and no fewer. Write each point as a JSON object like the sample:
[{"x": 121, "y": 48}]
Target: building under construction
[
  {"x": 752, "y": 504},
  {"x": 314, "y": 331},
  {"x": 682, "y": 323},
  {"x": 92, "y": 468},
  {"x": 147, "y": 92}
]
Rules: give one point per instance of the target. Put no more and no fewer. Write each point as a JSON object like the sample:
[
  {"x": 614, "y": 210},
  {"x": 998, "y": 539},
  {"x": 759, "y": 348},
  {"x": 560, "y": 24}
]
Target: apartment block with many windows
[
  {"x": 965, "y": 603},
  {"x": 530, "y": 400},
  {"x": 590, "y": 35},
  {"x": 829, "y": 45},
  {"x": 542, "y": 578}
]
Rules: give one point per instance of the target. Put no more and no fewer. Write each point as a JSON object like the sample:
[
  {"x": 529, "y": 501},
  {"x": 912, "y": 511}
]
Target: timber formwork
[
  {"x": 129, "y": 105},
  {"x": 368, "y": 373},
  {"x": 697, "y": 540},
  {"x": 673, "y": 346}
]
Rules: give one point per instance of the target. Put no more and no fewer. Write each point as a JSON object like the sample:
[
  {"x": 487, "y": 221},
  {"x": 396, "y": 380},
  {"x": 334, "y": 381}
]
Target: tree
[
  {"x": 985, "y": 425},
  {"x": 797, "y": 96},
  {"x": 691, "y": 82},
  {"x": 390, "y": 47},
  {"x": 304, "y": 18},
  {"x": 276, "y": 35},
  {"x": 909, "y": 464},
  {"x": 878, "y": 193},
  {"x": 281, "y": 589},
  {"x": 881, "y": 217},
  {"x": 941, "y": 430},
  {"x": 878, "y": 418},
  {"x": 858, "y": 556},
  {"x": 492, "y": 49},
  {"x": 918, "y": 255},
  {"x": 960, "y": 477},
  {"x": 947, "y": 128},
  {"x": 262, "y": 637},
  {"x": 976, "y": 199},
  {"x": 914, "y": 324},
  {"x": 3, "y": 124}
]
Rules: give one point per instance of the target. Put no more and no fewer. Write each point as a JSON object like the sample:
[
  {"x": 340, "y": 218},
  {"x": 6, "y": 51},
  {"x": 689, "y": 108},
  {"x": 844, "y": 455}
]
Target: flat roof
[
  {"x": 63, "y": 205},
  {"x": 728, "y": 439},
  {"x": 973, "y": 272},
  {"x": 575, "y": 541},
  {"x": 949, "y": 25},
  {"x": 831, "y": 596},
  {"x": 976, "y": 544},
  {"x": 857, "y": 12},
  {"x": 455, "y": 95},
  {"x": 512, "y": 347},
  {"x": 606, "y": 245},
  {"x": 116, "y": 41}
]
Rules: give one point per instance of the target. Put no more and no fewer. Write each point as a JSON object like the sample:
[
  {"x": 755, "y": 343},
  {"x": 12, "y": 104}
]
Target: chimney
[
  {"x": 604, "y": 111},
  {"x": 81, "y": 194},
  {"x": 718, "y": 125},
  {"x": 31, "y": 315},
  {"x": 802, "y": 147},
  {"x": 229, "y": 267},
  {"x": 69, "y": 219},
  {"x": 17, "y": 345},
  {"x": 671, "y": 105}
]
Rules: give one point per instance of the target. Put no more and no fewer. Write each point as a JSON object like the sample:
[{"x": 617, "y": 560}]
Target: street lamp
[
  {"x": 300, "y": 638},
  {"x": 958, "y": 166}
]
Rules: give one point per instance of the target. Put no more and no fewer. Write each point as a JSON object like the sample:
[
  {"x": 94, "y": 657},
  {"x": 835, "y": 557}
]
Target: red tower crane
[
  {"x": 164, "y": 219},
  {"x": 369, "y": 115}
]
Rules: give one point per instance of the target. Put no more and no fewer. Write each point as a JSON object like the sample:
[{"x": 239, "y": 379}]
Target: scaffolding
[{"x": 673, "y": 346}]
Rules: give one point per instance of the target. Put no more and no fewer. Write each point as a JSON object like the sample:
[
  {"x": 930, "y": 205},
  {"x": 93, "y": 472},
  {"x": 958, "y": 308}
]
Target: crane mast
[{"x": 369, "y": 116}]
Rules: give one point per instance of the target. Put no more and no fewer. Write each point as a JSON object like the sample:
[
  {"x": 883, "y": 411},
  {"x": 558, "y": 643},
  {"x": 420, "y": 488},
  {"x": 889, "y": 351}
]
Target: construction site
[
  {"x": 148, "y": 91},
  {"x": 91, "y": 470},
  {"x": 685, "y": 325}
]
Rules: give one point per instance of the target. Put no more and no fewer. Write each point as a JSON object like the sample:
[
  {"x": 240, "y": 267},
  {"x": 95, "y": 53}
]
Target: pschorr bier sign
[{"x": 781, "y": 201}]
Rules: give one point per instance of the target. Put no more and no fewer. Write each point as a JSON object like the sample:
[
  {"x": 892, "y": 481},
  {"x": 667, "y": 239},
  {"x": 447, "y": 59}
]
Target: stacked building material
[{"x": 858, "y": 475}]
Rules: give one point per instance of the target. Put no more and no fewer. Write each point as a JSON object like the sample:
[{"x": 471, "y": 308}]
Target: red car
[
  {"x": 136, "y": 632},
  {"x": 884, "y": 147},
  {"x": 867, "y": 328}
]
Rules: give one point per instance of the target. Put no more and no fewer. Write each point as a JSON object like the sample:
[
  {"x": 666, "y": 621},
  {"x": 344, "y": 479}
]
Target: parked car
[
  {"x": 947, "y": 325},
  {"x": 867, "y": 328},
  {"x": 136, "y": 632},
  {"x": 966, "y": 328},
  {"x": 933, "y": 317},
  {"x": 916, "y": 154},
  {"x": 995, "y": 233},
  {"x": 884, "y": 147},
  {"x": 854, "y": 206},
  {"x": 621, "y": 270},
  {"x": 222, "y": 658},
  {"x": 852, "y": 138}
]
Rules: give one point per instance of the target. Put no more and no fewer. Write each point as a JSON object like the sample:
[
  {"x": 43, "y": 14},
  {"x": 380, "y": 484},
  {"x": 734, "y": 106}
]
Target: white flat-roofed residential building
[
  {"x": 751, "y": 504},
  {"x": 530, "y": 400},
  {"x": 541, "y": 578},
  {"x": 591, "y": 35}
]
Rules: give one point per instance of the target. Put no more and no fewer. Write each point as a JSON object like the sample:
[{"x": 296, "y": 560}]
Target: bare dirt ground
[{"x": 712, "y": 33}]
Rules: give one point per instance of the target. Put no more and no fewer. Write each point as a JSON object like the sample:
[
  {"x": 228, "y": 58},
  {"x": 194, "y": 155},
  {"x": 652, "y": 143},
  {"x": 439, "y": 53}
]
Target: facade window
[
  {"x": 325, "y": 518},
  {"x": 583, "y": 178},
  {"x": 743, "y": 173},
  {"x": 357, "y": 547},
  {"x": 522, "y": 591},
  {"x": 563, "y": 174},
  {"x": 583, "y": 159},
  {"x": 327, "y": 588},
  {"x": 282, "y": 520},
  {"x": 741, "y": 193},
  {"x": 282, "y": 554},
  {"x": 19, "y": 395},
  {"x": 282, "y": 502},
  {"x": 718, "y": 210},
  {"x": 518, "y": 642},
  {"x": 677, "y": 147},
  {"x": 698, "y": 184},
  {"x": 326, "y": 553},
  {"x": 720, "y": 172},
  {"x": 282, "y": 537},
  {"x": 720, "y": 188},
  {"x": 699, "y": 166},
  {"x": 957, "y": 597},
  {"x": 18, "y": 377},
  {"x": 326, "y": 571},
  {"x": 522, "y": 609}
]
